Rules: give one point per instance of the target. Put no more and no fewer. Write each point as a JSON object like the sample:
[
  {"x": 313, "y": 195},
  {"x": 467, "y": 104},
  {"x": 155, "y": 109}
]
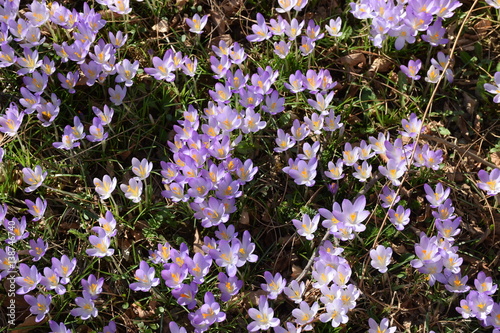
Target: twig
[{"x": 458, "y": 149}]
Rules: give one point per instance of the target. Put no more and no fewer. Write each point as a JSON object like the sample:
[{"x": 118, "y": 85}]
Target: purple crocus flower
[
  {"x": 118, "y": 39},
  {"x": 68, "y": 142},
  {"x": 305, "y": 314},
  {"x": 284, "y": 141},
  {"x": 126, "y": 71},
  {"x": 282, "y": 49},
  {"x": 29, "y": 279},
  {"x": 336, "y": 312},
  {"x": 412, "y": 127},
  {"x": 295, "y": 290},
  {"x": 29, "y": 62},
  {"x": 484, "y": 284},
  {"x": 39, "y": 305},
  {"x": 17, "y": 230},
  {"x": 96, "y": 131},
  {"x": 107, "y": 223},
  {"x": 92, "y": 286},
  {"x": 37, "y": 208},
  {"x": 296, "y": 82},
  {"x": 105, "y": 115},
  {"x": 11, "y": 121},
  {"x": 494, "y": 88},
  {"x": 412, "y": 69},
  {"x": 331, "y": 222},
  {"x": 142, "y": 168},
  {"x": 299, "y": 130},
  {"x": 260, "y": 30},
  {"x": 323, "y": 274},
  {"x": 353, "y": 214},
  {"x": 145, "y": 277},
  {"x": 51, "y": 281},
  {"x": 86, "y": 307},
  {"x": 363, "y": 171},
  {"x": 58, "y": 327},
  {"x": 100, "y": 244},
  {"x": 448, "y": 229},
  {"x": 102, "y": 53},
  {"x": 394, "y": 170},
  {"x": 210, "y": 310},
  {"x": 312, "y": 81},
  {"x": 38, "y": 248},
  {"x": 433, "y": 75},
  {"x": 335, "y": 170},
  {"x": 133, "y": 190},
  {"x": 8, "y": 261},
  {"x": 293, "y": 29},
  {"x": 480, "y": 304},
  {"x": 64, "y": 267},
  {"x": 91, "y": 72},
  {"x": 174, "y": 328},
  {"x": 186, "y": 295},
  {"x": 307, "y": 45},
  {"x": 30, "y": 101},
  {"x": 286, "y": 5},
  {"x": 274, "y": 284},
  {"x": 277, "y": 26},
  {"x": 227, "y": 256},
  {"x": 263, "y": 317},
  {"x": 307, "y": 226},
  {"x": 173, "y": 275},
  {"x": 117, "y": 94},
  {"x": 381, "y": 257},
  {"x": 78, "y": 51},
  {"x": 489, "y": 182},
  {"x": 199, "y": 266},
  {"x": 435, "y": 33},
  {"x": 7, "y": 55},
  {"x": 451, "y": 262},
  {"x": 197, "y": 24},
  {"x": 305, "y": 172},
  {"x": 220, "y": 66},
  {"x": 229, "y": 286},
  {"x": 399, "y": 217},
  {"x": 437, "y": 197},
  {"x": 38, "y": 14},
  {"x": 427, "y": 251},
  {"x": 456, "y": 283},
  {"x": 111, "y": 328},
  {"x": 121, "y": 7},
  {"x": 163, "y": 68},
  {"x": 105, "y": 186},
  {"x": 383, "y": 327}
]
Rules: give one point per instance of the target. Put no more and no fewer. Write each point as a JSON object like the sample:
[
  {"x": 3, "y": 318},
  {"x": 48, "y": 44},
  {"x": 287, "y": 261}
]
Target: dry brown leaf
[
  {"x": 244, "y": 217},
  {"x": 125, "y": 244},
  {"x": 162, "y": 26},
  {"x": 181, "y": 3},
  {"x": 470, "y": 103},
  {"x": 296, "y": 270},
  {"x": 354, "y": 60},
  {"x": 482, "y": 27},
  {"x": 219, "y": 21},
  {"x": 252, "y": 298},
  {"x": 381, "y": 65},
  {"x": 29, "y": 325},
  {"x": 231, "y": 7},
  {"x": 197, "y": 243},
  {"x": 495, "y": 159}
]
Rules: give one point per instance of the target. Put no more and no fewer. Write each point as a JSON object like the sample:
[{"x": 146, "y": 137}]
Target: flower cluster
[
  {"x": 227, "y": 252},
  {"x": 205, "y": 172}
]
